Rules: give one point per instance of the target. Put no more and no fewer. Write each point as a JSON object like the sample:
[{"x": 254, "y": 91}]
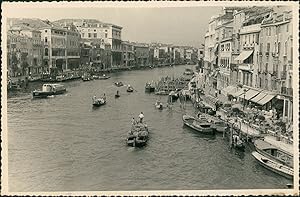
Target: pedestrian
[{"x": 141, "y": 116}]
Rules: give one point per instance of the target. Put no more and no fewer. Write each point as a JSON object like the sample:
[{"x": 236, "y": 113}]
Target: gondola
[
  {"x": 201, "y": 125},
  {"x": 138, "y": 135},
  {"x": 119, "y": 84},
  {"x": 99, "y": 102},
  {"x": 130, "y": 89}
]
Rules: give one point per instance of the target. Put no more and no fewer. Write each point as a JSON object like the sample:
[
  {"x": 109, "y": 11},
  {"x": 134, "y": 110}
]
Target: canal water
[{"x": 63, "y": 144}]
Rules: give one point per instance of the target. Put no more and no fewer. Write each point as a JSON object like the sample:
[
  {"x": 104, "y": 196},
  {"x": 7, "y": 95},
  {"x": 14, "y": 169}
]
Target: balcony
[
  {"x": 267, "y": 53},
  {"x": 287, "y": 91}
]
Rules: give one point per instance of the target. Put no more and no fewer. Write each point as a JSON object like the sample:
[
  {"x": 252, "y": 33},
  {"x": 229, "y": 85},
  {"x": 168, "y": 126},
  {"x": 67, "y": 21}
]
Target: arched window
[{"x": 46, "y": 51}]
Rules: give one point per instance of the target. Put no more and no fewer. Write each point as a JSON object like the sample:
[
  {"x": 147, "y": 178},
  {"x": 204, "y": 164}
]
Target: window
[
  {"x": 83, "y": 35},
  {"x": 268, "y": 47},
  {"x": 105, "y": 35},
  {"x": 46, "y": 31},
  {"x": 222, "y": 47},
  {"x": 261, "y": 47},
  {"x": 278, "y": 48},
  {"x": 90, "y": 35},
  {"x": 95, "y": 35},
  {"x": 46, "y": 40},
  {"x": 267, "y": 67},
  {"x": 285, "y": 48},
  {"x": 46, "y": 51},
  {"x": 287, "y": 27}
]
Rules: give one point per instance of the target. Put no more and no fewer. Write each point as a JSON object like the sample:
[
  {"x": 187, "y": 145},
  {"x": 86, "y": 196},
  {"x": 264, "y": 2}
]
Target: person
[
  {"x": 117, "y": 92},
  {"x": 104, "y": 97},
  {"x": 133, "y": 121},
  {"x": 94, "y": 98},
  {"x": 141, "y": 116}
]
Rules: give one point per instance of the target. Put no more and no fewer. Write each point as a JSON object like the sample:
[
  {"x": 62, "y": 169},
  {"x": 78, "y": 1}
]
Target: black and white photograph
[{"x": 150, "y": 98}]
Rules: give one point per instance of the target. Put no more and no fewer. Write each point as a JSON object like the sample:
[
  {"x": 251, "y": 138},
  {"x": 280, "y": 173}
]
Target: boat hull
[
  {"x": 204, "y": 130},
  {"x": 273, "y": 165},
  {"x": 42, "y": 94},
  {"x": 149, "y": 89}
]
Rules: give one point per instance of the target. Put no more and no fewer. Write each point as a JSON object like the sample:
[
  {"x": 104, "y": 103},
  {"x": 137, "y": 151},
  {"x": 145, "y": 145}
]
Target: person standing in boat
[
  {"x": 104, "y": 97},
  {"x": 141, "y": 116},
  {"x": 94, "y": 98}
]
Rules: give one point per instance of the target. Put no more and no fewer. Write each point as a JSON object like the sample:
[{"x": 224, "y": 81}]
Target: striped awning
[
  {"x": 239, "y": 92},
  {"x": 266, "y": 99},
  {"x": 258, "y": 97},
  {"x": 244, "y": 55},
  {"x": 249, "y": 94}
]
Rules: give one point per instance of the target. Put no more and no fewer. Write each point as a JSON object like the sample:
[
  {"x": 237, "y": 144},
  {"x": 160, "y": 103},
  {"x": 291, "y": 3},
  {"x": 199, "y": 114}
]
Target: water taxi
[
  {"x": 49, "y": 90},
  {"x": 200, "y": 124},
  {"x": 274, "y": 158}
]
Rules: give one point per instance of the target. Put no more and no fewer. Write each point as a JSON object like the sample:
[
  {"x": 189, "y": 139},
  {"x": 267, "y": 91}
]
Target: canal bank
[{"x": 66, "y": 145}]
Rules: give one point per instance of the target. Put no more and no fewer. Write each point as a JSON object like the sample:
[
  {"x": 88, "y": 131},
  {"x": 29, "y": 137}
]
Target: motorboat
[
  {"x": 274, "y": 158},
  {"x": 97, "y": 102},
  {"x": 119, "y": 84},
  {"x": 200, "y": 124},
  {"x": 138, "y": 135},
  {"x": 49, "y": 90},
  {"x": 129, "y": 89},
  {"x": 149, "y": 87}
]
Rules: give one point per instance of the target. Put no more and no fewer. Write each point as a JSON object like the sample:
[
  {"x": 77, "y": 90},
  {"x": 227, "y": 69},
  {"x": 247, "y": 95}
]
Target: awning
[
  {"x": 249, "y": 94},
  {"x": 258, "y": 97},
  {"x": 229, "y": 89},
  {"x": 266, "y": 99},
  {"x": 238, "y": 93},
  {"x": 244, "y": 55}
]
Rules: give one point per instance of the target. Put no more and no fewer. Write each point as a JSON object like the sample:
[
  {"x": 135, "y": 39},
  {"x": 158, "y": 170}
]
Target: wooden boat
[
  {"x": 49, "y": 90},
  {"x": 173, "y": 96},
  {"x": 138, "y": 135},
  {"x": 202, "y": 125},
  {"x": 159, "y": 105},
  {"x": 188, "y": 71},
  {"x": 274, "y": 158},
  {"x": 119, "y": 84},
  {"x": 273, "y": 165},
  {"x": 237, "y": 143},
  {"x": 99, "y": 102},
  {"x": 103, "y": 77},
  {"x": 85, "y": 78},
  {"x": 129, "y": 89},
  {"x": 149, "y": 87},
  {"x": 220, "y": 126},
  {"x": 117, "y": 95}
]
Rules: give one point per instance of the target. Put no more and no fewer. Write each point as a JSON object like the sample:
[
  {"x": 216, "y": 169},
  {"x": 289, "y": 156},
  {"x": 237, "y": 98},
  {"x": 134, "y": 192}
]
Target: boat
[
  {"x": 237, "y": 143},
  {"x": 129, "y": 89},
  {"x": 49, "y": 90},
  {"x": 138, "y": 135},
  {"x": 161, "y": 93},
  {"x": 188, "y": 71},
  {"x": 220, "y": 126},
  {"x": 173, "y": 96},
  {"x": 119, "y": 84},
  {"x": 149, "y": 87},
  {"x": 200, "y": 124},
  {"x": 117, "y": 95},
  {"x": 274, "y": 158},
  {"x": 103, "y": 77},
  {"x": 98, "y": 102},
  {"x": 86, "y": 78},
  {"x": 159, "y": 105}
]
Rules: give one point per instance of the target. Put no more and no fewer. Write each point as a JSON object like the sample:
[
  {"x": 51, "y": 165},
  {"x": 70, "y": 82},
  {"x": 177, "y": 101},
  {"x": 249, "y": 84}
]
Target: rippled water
[{"x": 63, "y": 144}]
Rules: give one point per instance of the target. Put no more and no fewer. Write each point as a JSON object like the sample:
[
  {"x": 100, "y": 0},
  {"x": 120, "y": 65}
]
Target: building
[
  {"x": 128, "y": 54},
  {"x": 276, "y": 59},
  {"x": 25, "y": 50},
  {"x": 93, "y": 30},
  {"x": 141, "y": 52}
]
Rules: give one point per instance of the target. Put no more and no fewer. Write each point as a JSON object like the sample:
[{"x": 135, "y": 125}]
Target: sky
[{"x": 170, "y": 25}]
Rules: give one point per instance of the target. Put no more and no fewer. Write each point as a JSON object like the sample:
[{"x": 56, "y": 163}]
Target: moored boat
[
  {"x": 49, "y": 90},
  {"x": 149, "y": 87},
  {"x": 138, "y": 135},
  {"x": 188, "y": 71},
  {"x": 159, "y": 105},
  {"x": 202, "y": 125},
  {"x": 103, "y": 77},
  {"x": 173, "y": 96},
  {"x": 220, "y": 126},
  {"x": 274, "y": 158}
]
